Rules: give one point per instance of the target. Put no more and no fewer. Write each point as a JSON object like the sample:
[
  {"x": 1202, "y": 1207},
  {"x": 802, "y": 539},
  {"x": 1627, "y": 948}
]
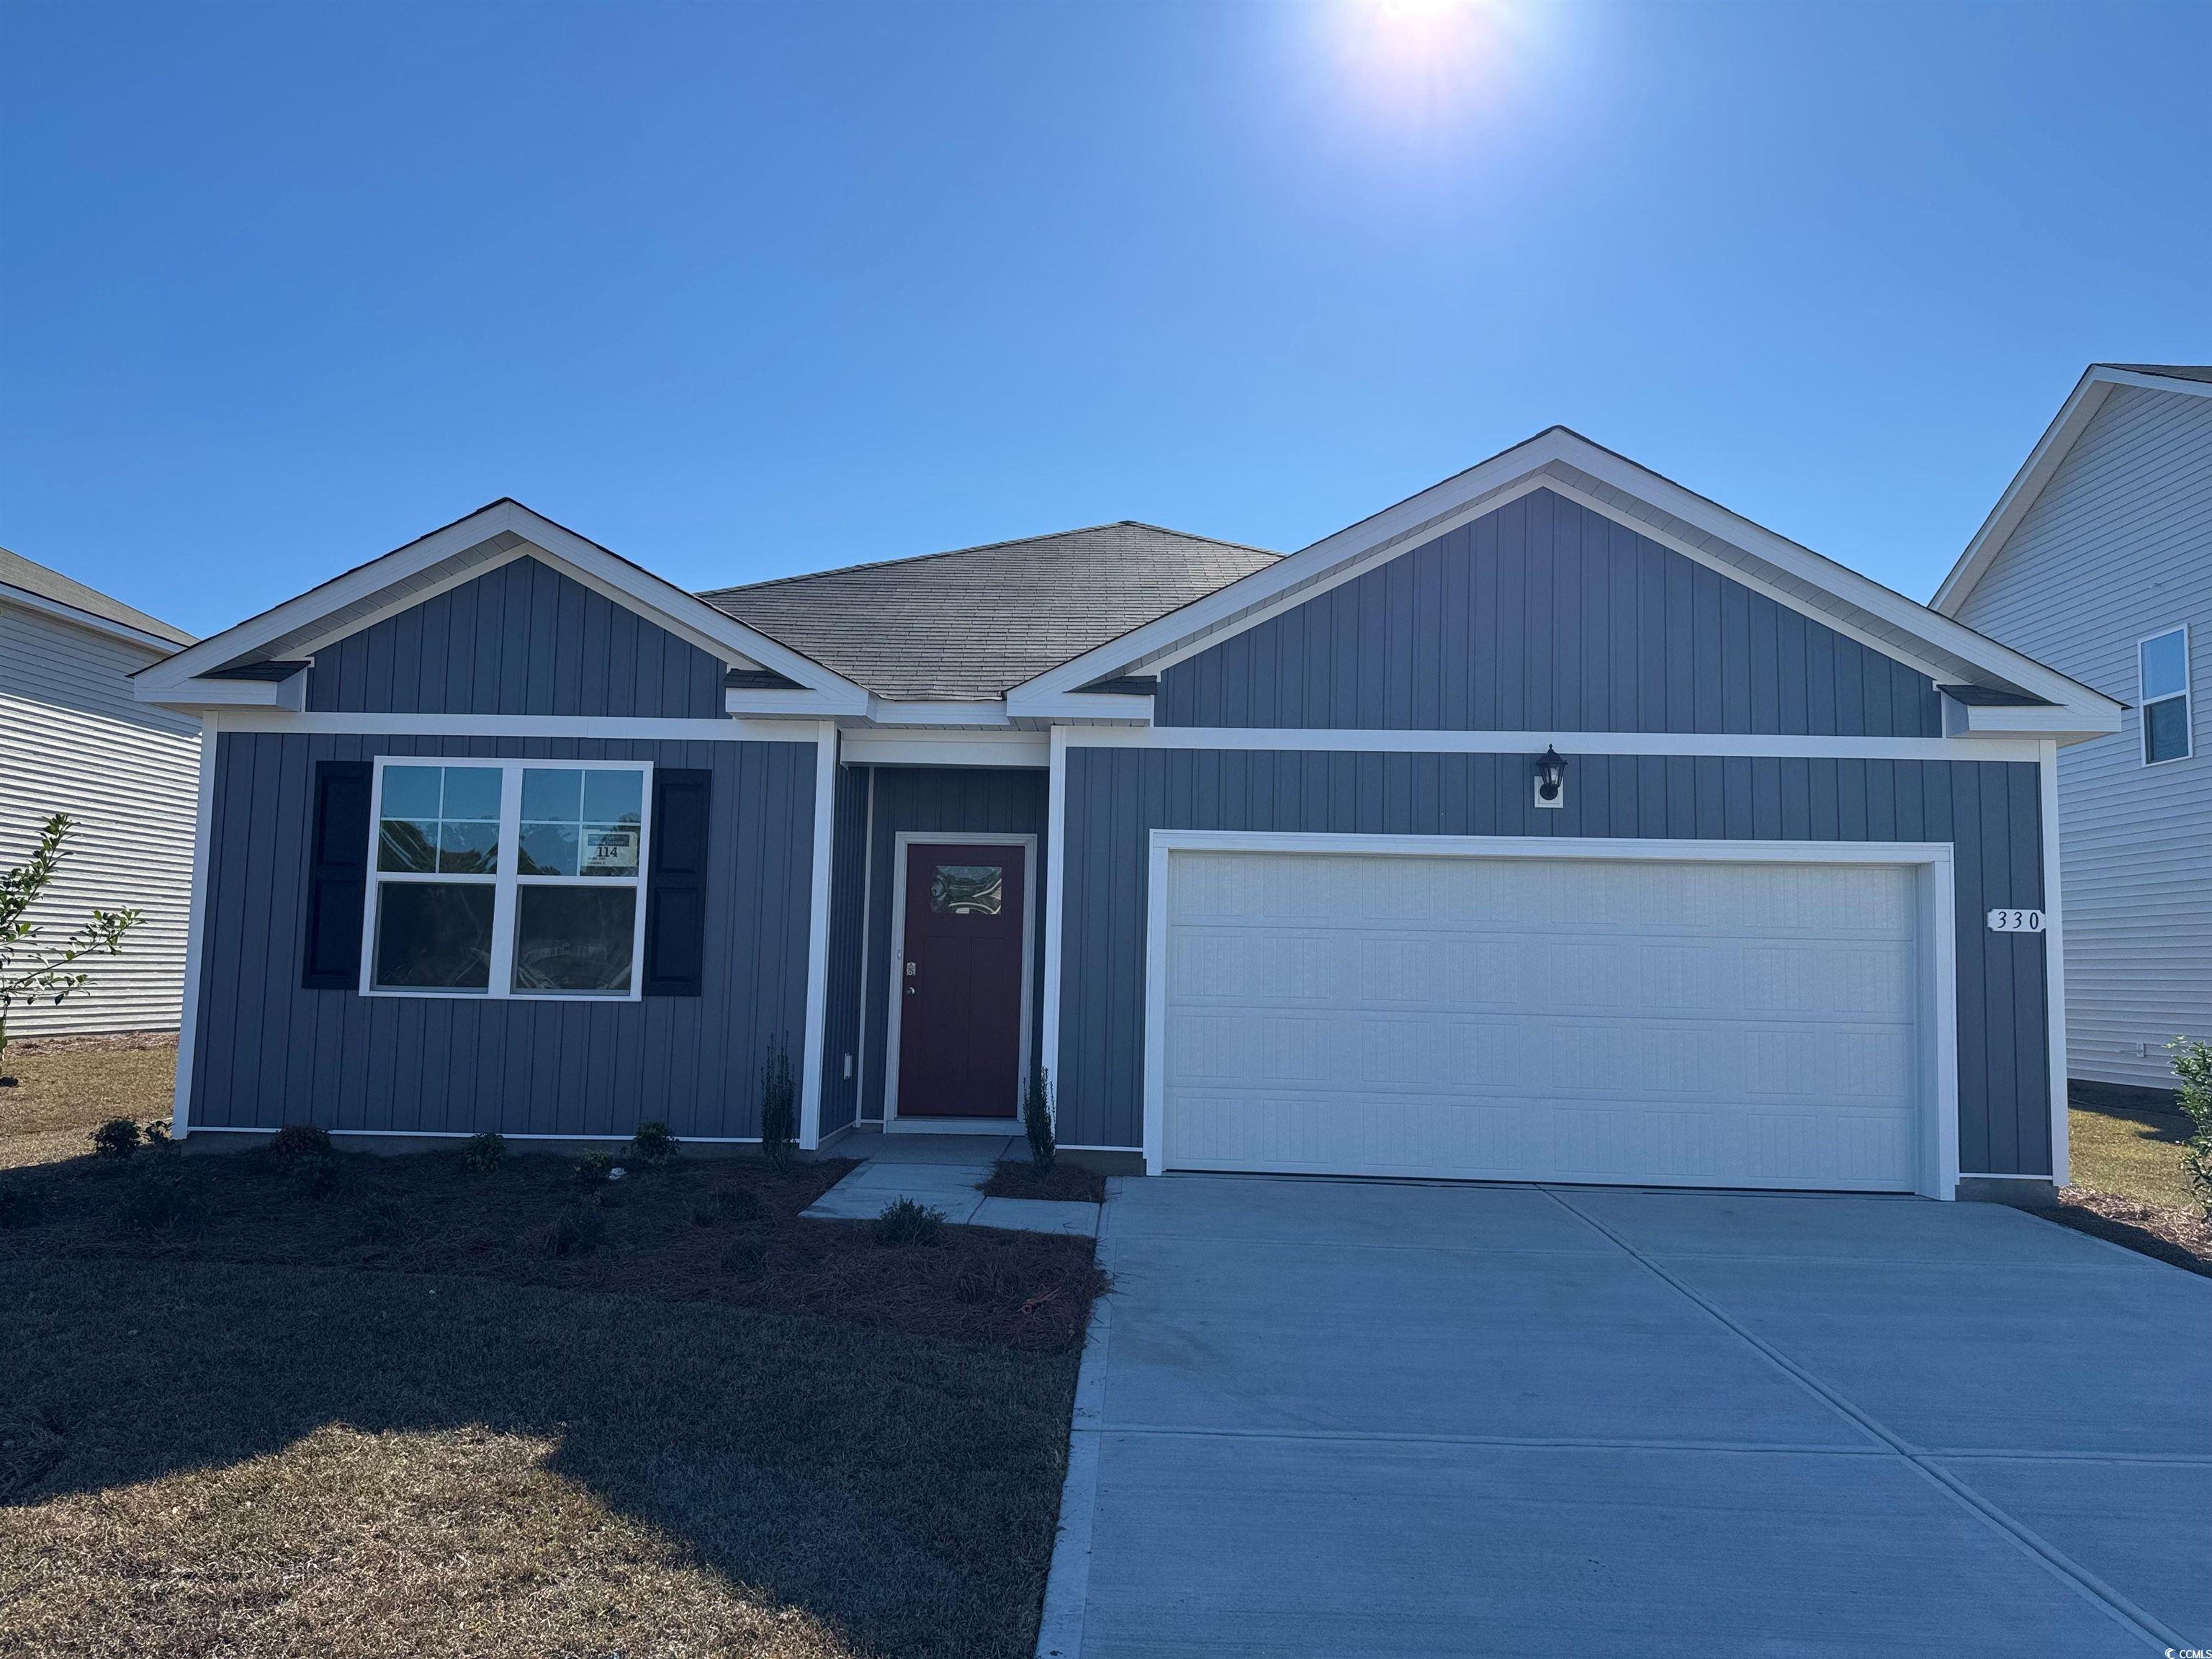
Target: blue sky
[{"x": 744, "y": 290}]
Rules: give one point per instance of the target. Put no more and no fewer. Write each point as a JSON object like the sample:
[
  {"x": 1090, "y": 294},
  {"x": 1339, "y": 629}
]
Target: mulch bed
[
  {"x": 722, "y": 1229},
  {"x": 2152, "y": 1230},
  {"x": 1017, "y": 1177}
]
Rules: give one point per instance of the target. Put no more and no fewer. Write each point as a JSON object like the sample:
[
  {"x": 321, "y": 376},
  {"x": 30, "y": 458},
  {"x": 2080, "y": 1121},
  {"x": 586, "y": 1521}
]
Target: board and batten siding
[
  {"x": 268, "y": 1052},
  {"x": 72, "y": 740},
  {"x": 950, "y": 801},
  {"x": 1544, "y": 616},
  {"x": 1988, "y": 811},
  {"x": 521, "y": 639},
  {"x": 2118, "y": 547}
]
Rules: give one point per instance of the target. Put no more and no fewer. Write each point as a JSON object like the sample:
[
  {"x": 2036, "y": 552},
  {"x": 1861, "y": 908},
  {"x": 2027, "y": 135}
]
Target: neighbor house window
[
  {"x": 507, "y": 879},
  {"x": 2163, "y": 661}
]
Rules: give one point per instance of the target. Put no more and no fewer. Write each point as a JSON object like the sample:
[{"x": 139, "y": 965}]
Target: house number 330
[{"x": 2015, "y": 922}]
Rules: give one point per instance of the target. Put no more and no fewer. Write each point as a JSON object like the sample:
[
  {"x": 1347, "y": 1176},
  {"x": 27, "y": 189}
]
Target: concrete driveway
[{"x": 1340, "y": 1417}]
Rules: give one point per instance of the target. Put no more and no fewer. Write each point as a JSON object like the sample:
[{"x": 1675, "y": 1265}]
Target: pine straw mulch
[
  {"x": 725, "y": 1231},
  {"x": 2154, "y": 1230},
  {"x": 1017, "y": 1177}
]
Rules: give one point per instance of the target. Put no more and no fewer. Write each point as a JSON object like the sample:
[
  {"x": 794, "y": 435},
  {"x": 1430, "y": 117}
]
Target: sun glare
[{"x": 1426, "y": 57}]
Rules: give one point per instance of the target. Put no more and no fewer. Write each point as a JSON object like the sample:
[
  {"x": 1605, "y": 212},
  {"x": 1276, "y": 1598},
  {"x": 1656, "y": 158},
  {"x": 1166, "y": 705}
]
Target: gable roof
[
  {"x": 1565, "y": 461},
  {"x": 964, "y": 625},
  {"x": 228, "y": 666},
  {"x": 2080, "y": 407},
  {"x": 65, "y": 594}
]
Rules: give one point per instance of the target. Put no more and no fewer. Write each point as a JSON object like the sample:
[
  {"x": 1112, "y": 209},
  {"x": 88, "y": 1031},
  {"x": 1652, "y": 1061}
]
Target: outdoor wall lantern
[{"x": 1550, "y": 778}]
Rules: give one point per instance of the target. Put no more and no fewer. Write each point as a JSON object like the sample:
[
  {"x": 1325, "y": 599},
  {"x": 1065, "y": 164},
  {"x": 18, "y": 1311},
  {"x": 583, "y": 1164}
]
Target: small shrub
[
  {"x": 596, "y": 1169},
  {"x": 380, "y": 1220},
  {"x": 117, "y": 1138},
  {"x": 905, "y": 1222},
  {"x": 1037, "y": 1121},
  {"x": 302, "y": 1141},
  {"x": 574, "y": 1230},
  {"x": 313, "y": 1175},
  {"x": 745, "y": 1255},
  {"x": 160, "y": 1197},
  {"x": 21, "y": 1206},
  {"x": 481, "y": 1154},
  {"x": 2193, "y": 1072},
  {"x": 779, "y": 1106},
  {"x": 158, "y": 1139},
  {"x": 653, "y": 1144}
]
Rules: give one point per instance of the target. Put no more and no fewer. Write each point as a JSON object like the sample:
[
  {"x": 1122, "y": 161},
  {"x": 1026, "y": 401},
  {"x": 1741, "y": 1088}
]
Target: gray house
[
  {"x": 2098, "y": 559},
  {"x": 1554, "y": 823}
]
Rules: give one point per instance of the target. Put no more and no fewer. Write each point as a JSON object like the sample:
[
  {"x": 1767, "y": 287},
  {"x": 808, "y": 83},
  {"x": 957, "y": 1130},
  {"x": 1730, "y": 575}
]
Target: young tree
[{"x": 32, "y": 970}]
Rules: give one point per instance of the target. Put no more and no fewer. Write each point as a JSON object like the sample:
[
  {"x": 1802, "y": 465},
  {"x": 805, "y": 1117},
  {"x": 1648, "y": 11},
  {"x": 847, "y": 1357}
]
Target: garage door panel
[{"x": 1324, "y": 1013}]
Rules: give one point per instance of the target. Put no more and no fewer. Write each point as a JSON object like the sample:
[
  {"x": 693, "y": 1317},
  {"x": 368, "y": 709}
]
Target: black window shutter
[
  {"x": 337, "y": 875},
  {"x": 675, "y": 884}
]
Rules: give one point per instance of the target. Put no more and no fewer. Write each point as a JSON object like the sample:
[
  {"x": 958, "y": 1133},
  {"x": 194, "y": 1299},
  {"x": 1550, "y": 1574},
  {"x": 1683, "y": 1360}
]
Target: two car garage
[{"x": 1738, "y": 1015}]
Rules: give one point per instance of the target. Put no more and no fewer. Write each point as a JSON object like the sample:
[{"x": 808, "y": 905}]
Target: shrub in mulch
[
  {"x": 119, "y": 1137},
  {"x": 654, "y": 1145},
  {"x": 1064, "y": 1183},
  {"x": 482, "y": 1154},
  {"x": 2157, "y": 1230},
  {"x": 904, "y": 1222},
  {"x": 302, "y": 1141},
  {"x": 597, "y": 1168}
]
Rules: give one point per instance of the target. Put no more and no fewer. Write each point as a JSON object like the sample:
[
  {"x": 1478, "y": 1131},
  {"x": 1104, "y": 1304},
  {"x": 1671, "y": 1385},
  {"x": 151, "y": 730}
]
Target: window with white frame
[
  {"x": 507, "y": 878},
  {"x": 2162, "y": 662}
]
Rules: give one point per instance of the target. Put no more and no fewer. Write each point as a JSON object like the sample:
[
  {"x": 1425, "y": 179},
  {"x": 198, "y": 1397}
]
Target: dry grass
[
  {"x": 389, "y": 1420},
  {"x": 64, "y": 1086}
]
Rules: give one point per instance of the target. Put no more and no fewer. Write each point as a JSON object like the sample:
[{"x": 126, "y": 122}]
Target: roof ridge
[{"x": 711, "y": 593}]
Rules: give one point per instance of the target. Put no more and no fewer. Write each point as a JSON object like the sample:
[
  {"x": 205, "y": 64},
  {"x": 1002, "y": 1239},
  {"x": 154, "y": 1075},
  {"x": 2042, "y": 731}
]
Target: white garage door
[{"x": 1535, "y": 1019}]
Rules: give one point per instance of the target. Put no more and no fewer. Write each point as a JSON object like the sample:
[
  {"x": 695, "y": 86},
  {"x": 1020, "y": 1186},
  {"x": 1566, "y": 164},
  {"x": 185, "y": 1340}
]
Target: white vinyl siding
[
  {"x": 2117, "y": 548},
  {"x": 1697, "y": 1024},
  {"x": 72, "y": 740}
]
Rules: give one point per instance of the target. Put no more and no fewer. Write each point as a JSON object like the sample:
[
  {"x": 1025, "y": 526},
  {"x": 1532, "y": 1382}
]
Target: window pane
[
  {"x": 406, "y": 844},
  {"x": 966, "y": 890},
  {"x": 410, "y": 791},
  {"x": 548, "y": 849},
  {"x": 472, "y": 791},
  {"x": 467, "y": 849},
  {"x": 2164, "y": 669},
  {"x": 609, "y": 849},
  {"x": 613, "y": 797},
  {"x": 574, "y": 939},
  {"x": 2166, "y": 729},
  {"x": 434, "y": 935},
  {"x": 551, "y": 794}
]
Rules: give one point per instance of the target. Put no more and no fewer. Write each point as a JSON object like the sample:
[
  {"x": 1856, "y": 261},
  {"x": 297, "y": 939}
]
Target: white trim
[
  {"x": 873, "y": 746},
  {"x": 2035, "y": 474},
  {"x": 985, "y": 715},
  {"x": 817, "y": 936},
  {"x": 459, "y": 576},
  {"x": 1055, "y": 905},
  {"x": 1480, "y": 489},
  {"x": 180, "y": 1111},
  {"x": 666, "y": 604},
  {"x": 901, "y": 840},
  {"x": 784, "y": 703},
  {"x": 519, "y": 726},
  {"x": 507, "y": 883},
  {"x": 1939, "y": 1172},
  {"x": 2054, "y": 965},
  {"x": 62, "y": 610},
  {"x": 1534, "y": 743},
  {"x": 2187, "y": 694}
]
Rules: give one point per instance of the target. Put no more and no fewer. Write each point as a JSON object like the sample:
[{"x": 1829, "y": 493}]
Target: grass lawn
[
  {"x": 433, "y": 1413},
  {"x": 65, "y": 1085},
  {"x": 2128, "y": 1181}
]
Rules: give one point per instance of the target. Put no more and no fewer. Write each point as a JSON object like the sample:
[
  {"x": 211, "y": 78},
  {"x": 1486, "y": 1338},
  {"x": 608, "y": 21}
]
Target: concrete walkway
[
  {"x": 946, "y": 1173},
  {"x": 1325, "y": 1418}
]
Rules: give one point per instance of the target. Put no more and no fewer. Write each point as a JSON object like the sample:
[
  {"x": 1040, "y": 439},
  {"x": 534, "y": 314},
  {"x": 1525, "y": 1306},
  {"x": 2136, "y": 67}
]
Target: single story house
[
  {"x": 74, "y": 739},
  {"x": 2098, "y": 560},
  {"x": 1555, "y": 824}
]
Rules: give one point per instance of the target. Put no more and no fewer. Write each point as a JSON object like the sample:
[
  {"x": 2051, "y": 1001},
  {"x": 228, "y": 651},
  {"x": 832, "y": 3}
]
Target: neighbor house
[
  {"x": 73, "y": 739},
  {"x": 1555, "y": 824},
  {"x": 2098, "y": 560}
]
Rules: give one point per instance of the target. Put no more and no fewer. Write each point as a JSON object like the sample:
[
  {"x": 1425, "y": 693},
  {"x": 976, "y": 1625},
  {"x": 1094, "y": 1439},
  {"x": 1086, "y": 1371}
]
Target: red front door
[{"x": 960, "y": 981}]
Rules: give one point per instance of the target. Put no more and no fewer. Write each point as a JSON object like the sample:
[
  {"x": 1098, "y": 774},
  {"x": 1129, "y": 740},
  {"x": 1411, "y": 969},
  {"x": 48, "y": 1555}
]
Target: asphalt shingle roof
[
  {"x": 16, "y": 571},
  {"x": 2171, "y": 371},
  {"x": 964, "y": 626}
]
